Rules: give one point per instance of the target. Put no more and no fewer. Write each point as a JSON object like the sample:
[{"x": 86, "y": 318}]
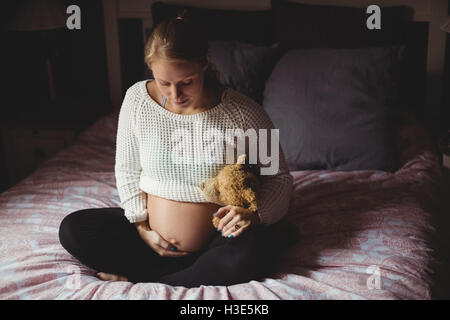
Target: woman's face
[{"x": 180, "y": 81}]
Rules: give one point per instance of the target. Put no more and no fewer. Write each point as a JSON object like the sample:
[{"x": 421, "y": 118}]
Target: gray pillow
[
  {"x": 243, "y": 66},
  {"x": 333, "y": 107}
]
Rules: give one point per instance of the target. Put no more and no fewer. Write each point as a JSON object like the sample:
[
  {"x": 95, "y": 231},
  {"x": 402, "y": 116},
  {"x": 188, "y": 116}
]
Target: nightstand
[
  {"x": 27, "y": 147},
  {"x": 31, "y": 138}
]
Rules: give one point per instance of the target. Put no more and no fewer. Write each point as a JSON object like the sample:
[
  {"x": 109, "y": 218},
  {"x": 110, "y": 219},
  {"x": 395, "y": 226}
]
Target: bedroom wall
[
  {"x": 7, "y": 8},
  {"x": 445, "y": 125},
  {"x": 79, "y": 70},
  {"x": 79, "y": 67}
]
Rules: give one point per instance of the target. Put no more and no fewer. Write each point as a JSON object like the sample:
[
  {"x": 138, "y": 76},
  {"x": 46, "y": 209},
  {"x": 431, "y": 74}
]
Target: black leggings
[{"x": 104, "y": 240}]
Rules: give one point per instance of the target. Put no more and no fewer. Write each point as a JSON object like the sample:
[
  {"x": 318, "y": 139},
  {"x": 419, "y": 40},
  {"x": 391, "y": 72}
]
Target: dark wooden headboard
[{"x": 126, "y": 22}]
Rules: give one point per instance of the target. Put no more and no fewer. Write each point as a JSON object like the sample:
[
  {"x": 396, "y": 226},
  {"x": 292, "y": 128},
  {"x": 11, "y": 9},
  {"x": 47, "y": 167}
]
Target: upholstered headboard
[{"x": 431, "y": 13}]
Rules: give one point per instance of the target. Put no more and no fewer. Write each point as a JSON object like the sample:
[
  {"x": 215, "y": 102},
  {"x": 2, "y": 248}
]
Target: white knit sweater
[{"x": 147, "y": 142}]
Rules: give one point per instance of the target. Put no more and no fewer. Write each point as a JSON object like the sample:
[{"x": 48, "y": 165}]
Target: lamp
[{"x": 41, "y": 16}]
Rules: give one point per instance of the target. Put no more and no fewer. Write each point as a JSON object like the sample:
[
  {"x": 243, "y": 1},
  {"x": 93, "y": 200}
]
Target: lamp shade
[
  {"x": 34, "y": 15},
  {"x": 446, "y": 26}
]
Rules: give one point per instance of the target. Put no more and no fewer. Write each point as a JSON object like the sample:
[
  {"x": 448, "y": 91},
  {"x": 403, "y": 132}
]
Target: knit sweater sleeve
[
  {"x": 276, "y": 187},
  {"x": 127, "y": 166}
]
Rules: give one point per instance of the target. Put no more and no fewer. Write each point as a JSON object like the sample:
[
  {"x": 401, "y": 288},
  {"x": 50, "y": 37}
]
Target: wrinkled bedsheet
[{"x": 363, "y": 234}]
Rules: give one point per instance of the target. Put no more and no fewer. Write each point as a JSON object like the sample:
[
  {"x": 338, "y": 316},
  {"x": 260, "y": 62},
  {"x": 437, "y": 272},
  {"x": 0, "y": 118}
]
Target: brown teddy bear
[{"x": 236, "y": 184}]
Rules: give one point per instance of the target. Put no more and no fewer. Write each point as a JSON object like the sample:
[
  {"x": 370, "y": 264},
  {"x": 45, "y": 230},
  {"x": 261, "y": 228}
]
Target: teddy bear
[{"x": 235, "y": 184}]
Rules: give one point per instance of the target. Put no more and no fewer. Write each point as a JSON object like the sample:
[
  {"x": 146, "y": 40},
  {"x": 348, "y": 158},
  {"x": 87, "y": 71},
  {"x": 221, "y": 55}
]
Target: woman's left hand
[{"x": 235, "y": 220}]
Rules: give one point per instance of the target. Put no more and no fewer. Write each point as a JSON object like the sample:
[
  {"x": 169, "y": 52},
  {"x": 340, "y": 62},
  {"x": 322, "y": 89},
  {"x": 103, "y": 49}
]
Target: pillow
[
  {"x": 317, "y": 26},
  {"x": 247, "y": 26},
  {"x": 333, "y": 107},
  {"x": 242, "y": 66}
]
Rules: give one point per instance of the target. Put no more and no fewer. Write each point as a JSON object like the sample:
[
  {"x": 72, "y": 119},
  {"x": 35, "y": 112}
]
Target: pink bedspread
[{"x": 363, "y": 234}]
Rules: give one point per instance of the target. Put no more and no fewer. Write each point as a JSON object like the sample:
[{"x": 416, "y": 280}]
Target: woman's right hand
[{"x": 157, "y": 243}]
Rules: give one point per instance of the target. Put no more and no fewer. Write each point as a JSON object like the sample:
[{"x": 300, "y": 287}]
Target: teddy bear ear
[{"x": 241, "y": 159}]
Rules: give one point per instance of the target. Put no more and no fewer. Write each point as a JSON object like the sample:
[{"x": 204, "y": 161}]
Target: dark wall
[
  {"x": 78, "y": 60},
  {"x": 79, "y": 68},
  {"x": 445, "y": 119},
  {"x": 7, "y": 8},
  {"x": 131, "y": 52},
  {"x": 446, "y": 99}
]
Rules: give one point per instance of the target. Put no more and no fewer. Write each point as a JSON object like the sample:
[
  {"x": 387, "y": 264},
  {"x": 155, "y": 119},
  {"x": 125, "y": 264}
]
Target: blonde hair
[{"x": 181, "y": 38}]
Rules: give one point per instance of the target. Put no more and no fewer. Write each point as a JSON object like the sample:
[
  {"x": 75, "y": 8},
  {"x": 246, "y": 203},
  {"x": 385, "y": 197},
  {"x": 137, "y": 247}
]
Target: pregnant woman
[{"x": 163, "y": 232}]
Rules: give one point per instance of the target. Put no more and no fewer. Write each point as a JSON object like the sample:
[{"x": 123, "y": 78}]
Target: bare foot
[{"x": 111, "y": 277}]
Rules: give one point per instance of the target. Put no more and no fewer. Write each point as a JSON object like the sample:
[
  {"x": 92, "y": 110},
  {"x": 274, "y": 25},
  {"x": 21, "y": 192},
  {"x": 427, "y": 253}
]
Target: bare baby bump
[{"x": 189, "y": 223}]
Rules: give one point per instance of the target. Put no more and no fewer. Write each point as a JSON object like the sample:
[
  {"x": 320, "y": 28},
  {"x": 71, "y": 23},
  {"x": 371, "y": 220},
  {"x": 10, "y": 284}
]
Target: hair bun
[{"x": 182, "y": 14}]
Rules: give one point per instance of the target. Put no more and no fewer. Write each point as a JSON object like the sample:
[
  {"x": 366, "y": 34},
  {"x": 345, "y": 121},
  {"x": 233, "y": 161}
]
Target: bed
[{"x": 364, "y": 234}]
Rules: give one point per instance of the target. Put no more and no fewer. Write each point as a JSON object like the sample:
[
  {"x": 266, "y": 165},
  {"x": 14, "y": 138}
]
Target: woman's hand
[
  {"x": 235, "y": 220},
  {"x": 158, "y": 243}
]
